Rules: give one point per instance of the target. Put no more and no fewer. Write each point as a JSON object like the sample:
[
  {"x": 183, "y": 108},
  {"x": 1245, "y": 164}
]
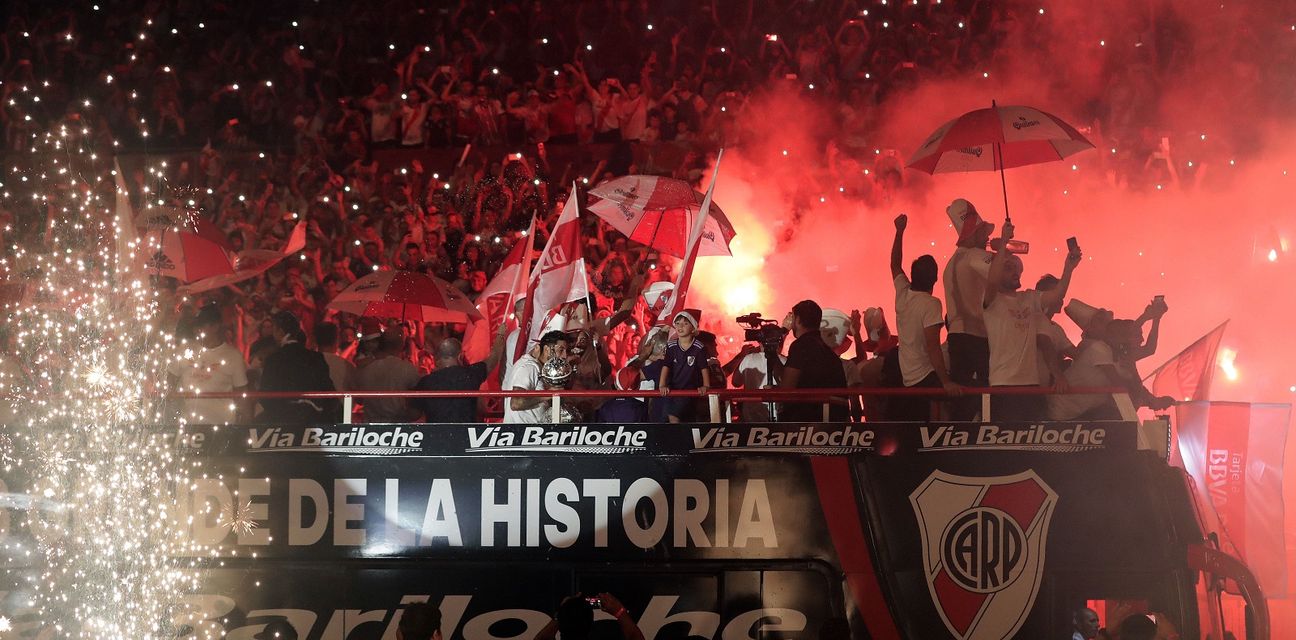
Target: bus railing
[{"x": 714, "y": 397}]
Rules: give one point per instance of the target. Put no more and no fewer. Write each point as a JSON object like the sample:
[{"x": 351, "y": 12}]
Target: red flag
[
  {"x": 251, "y": 263},
  {"x": 675, "y": 303},
  {"x": 495, "y": 302},
  {"x": 1234, "y": 452},
  {"x": 558, "y": 275},
  {"x": 1187, "y": 376}
]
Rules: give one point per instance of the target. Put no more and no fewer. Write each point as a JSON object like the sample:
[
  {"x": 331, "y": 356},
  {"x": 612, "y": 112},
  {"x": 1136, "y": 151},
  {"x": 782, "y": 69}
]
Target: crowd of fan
[{"x": 294, "y": 108}]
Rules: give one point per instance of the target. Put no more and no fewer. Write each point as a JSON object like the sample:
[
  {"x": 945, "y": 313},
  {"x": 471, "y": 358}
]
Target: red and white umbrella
[
  {"x": 659, "y": 212},
  {"x": 995, "y": 139},
  {"x": 406, "y": 295}
]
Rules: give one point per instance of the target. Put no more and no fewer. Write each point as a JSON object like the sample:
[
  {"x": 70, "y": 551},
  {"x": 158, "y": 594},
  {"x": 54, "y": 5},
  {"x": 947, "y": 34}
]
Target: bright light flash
[{"x": 1226, "y": 360}]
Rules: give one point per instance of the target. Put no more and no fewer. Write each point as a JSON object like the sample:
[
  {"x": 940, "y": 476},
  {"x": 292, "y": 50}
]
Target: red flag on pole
[
  {"x": 675, "y": 303},
  {"x": 1187, "y": 376},
  {"x": 1234, "y": 452},
  {"x": 557, "y": 277}
]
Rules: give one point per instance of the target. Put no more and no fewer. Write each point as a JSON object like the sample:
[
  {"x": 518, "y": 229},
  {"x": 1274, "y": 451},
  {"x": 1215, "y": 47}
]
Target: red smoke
[{"x": 1218, "y": 246}]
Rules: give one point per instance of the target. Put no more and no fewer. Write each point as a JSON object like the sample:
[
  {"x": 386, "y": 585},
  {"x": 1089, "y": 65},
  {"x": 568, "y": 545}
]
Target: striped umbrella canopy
[
  {"x": 995, "y": 139},
  {"x": 407, "y": 295},
  {"x": 659, "y": 213}
]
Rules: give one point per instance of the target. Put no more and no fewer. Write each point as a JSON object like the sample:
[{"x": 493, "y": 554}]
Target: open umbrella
[
  {"x": 659, "y": 212},
  {"x": 995, "y": 139},
  {"x": 406, "y": 295}
]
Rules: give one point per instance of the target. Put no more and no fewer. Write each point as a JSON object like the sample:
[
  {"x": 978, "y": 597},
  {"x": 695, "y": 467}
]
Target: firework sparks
[
  {"x": 242, "y": 520},
  {"x": 101, "y": 539}
]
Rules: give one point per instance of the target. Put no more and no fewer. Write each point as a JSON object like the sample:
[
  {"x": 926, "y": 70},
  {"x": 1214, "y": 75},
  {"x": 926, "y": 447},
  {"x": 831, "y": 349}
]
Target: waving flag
[
  {"x": 1187, "y": 376},
  {"x": 558, "y": 275},
  {"x": 675, "y": 303}
]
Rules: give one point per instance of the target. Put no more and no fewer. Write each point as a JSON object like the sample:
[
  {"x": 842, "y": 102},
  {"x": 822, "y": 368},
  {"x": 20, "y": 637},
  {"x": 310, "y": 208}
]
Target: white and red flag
[
  {"x": 1234, "y": 452},
  {"x": 558, "y": 275},
  {"x": 675, "y": 303},
  {"x": 1187, "y": 376}
]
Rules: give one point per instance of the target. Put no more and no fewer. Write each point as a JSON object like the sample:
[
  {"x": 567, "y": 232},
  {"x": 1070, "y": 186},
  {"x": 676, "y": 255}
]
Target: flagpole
[{"x": 685, "y": 274}]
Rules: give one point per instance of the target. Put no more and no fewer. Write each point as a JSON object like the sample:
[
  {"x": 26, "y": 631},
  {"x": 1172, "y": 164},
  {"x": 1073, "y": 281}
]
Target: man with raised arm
[
  {"x": 918, "y": 320},
  {"x": 1012, "y": 321}
]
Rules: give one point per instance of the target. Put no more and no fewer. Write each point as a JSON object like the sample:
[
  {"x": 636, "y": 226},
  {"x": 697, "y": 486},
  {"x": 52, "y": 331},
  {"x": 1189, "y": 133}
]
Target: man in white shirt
[
  {"x": 918, "y": 321},
  {"x": 1053, "y": 344},
  {"x": 214, "y": 366},
  {"x": 413, "y": 116},
  {"x": 383, "y": 108},
  {"x": 1106, "y": 362},
  {"x": 1012, "y": 322},
  {"x": 526, "y": 377},
  {"x": 965, "y": 277}
]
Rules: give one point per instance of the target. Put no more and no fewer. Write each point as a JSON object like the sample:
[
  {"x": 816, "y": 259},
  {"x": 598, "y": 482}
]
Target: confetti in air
[{"x": 95, "y": 534}]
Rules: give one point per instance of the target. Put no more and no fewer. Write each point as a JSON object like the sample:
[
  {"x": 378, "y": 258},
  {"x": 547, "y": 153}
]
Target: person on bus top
[
  {"x": 1012, "y": 320},
  {"x": 918, "y": 322},
  {"x": 964, "y": 280},
  {"x": 811, "y": 364},
  {"x": 685, "y": 368}
]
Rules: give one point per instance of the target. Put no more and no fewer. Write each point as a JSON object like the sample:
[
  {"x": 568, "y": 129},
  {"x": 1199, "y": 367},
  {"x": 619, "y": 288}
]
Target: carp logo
[{"x": 983, "y": 543}]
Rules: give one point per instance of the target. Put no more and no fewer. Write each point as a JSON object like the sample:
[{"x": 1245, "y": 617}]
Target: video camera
[{"x": 767, "y": 332}]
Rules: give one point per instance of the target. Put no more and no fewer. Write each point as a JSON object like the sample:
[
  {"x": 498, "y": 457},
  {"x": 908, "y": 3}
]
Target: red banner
[{"x": 1234, "y": 451}]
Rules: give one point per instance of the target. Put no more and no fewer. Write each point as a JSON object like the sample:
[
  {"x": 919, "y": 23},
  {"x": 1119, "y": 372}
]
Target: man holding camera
[
  {"x": 575, "y": 618},
  {"x": 1012, "y": 320},
  {"x": 811, "y": 364}
]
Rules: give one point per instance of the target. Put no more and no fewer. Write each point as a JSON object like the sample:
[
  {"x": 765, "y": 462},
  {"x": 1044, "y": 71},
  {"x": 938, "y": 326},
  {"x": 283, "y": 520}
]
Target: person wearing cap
[
  {"x": 293, "y": 367},
  {"x": 918, "y": 321},
  {"x": 1106, "y": 362},
  {"x": 811, "y": 364},
  {"x": 1012, "y": 320},
  {"x": 526, "y": 377},
  {"x": 1054, "y": 346},
  {"x": 685, "y": 368},
  {"x": 965, "y": 279},
  {"x": 451, "y": 374},
  {"x": 213, "y": 366},
  {"x": 279, "y": 629},
  {"x": 390, "y": 371}
]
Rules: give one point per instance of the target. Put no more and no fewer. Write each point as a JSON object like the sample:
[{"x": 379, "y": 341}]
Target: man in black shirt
[
  {"x": 293, "y": 367},
  {"x": 451, "y": 374},
  {"x": 811, "y": 364}
]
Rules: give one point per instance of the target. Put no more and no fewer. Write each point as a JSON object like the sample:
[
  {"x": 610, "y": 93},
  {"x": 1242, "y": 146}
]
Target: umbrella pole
[{"x": 1003, "y": 182}]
